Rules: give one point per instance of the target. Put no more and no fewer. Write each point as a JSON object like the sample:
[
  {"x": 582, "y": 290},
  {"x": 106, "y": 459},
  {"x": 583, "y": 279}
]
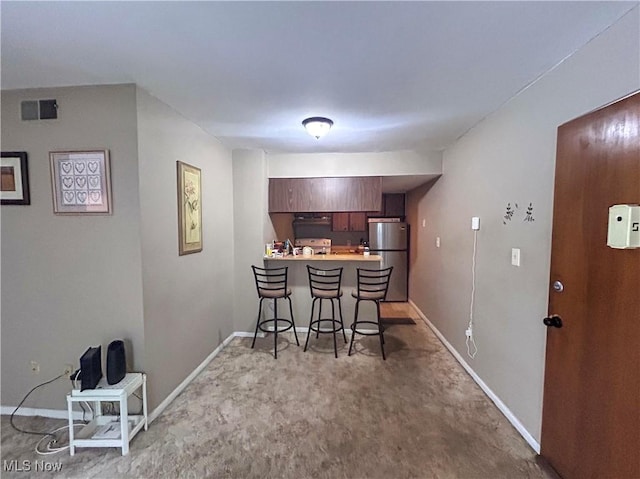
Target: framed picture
[
  {"x": 189, "y": 209},
  {"x": 14, "y": 178},
  {"x": 81, "y": 182}
]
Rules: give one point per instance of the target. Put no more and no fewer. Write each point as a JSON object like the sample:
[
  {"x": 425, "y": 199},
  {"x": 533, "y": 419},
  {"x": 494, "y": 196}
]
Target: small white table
[{"x": 108, "y": 436}]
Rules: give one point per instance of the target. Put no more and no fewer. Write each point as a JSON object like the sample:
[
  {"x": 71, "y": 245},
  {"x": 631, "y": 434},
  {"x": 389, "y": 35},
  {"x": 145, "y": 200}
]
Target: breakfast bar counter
[
  {"x": 340, "y": 257},
  {"x": 298, "y": 282}
]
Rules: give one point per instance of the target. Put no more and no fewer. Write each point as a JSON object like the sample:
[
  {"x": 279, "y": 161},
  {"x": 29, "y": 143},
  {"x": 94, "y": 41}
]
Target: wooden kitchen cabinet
[
  {"x": 353, "y": 221},
  {"x": 357, "y": 221},
  {"x": 286, "y": 194},
  {"x": 325, "y": 194},
  {"x": 340, "y": 222},
  {"x": 392, "y": 206}
]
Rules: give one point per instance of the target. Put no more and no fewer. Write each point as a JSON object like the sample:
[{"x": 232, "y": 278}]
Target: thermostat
[{"x": 624, "y": 227}]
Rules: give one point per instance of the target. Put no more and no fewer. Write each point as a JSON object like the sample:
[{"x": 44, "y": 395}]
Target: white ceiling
[{"x": 392, "y": 75}]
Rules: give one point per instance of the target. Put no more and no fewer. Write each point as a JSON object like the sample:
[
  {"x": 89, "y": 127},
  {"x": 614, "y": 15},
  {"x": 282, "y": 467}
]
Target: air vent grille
[{"x": 39, "y": 110}]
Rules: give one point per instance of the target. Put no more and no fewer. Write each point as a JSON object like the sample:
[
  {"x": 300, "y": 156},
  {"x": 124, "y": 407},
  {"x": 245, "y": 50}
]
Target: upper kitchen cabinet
[
  {"x": 349, "y": 222},
  {"x": 300, "y": 195},
  {"x": 392, "y": 206}
]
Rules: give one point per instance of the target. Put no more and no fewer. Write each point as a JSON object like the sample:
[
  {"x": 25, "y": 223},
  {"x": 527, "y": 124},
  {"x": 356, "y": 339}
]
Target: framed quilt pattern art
[{"x": 81, "y": 182}]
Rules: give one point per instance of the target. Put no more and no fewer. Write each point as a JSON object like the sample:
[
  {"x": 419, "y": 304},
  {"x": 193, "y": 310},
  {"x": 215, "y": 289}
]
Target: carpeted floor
[
  {"x": 396, "y": 321},
  {"x": 308, "y": 415}
]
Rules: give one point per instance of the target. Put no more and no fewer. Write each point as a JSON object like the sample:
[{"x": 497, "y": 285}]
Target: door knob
[
  {"x": 554, "y": 321},
  {"x": 558, "y": 286}
]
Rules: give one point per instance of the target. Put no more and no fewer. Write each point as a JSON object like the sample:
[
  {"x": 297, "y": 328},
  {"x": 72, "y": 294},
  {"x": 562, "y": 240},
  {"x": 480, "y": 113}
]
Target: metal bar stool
[
  {"x": 271, "y": 283},
  {"x": 325, "y": 284},
  {"x": 372, "y": 286}
]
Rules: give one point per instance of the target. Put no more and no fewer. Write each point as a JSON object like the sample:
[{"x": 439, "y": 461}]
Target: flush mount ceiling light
[{"x": 317, "y": 126}]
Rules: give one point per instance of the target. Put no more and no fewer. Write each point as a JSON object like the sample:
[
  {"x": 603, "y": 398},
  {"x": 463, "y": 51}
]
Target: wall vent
[{"x": 39, "y": 110}]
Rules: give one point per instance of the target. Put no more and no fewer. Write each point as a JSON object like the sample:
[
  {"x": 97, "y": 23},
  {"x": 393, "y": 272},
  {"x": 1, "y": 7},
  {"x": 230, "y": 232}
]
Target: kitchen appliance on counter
[
  {"x": 391, "y": 241},
  {"x": 319, "y": 245}
]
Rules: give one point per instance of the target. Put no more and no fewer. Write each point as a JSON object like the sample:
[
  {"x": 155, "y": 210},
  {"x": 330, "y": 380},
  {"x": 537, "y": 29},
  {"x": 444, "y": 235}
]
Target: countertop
[{"x": 328, "y": 257}]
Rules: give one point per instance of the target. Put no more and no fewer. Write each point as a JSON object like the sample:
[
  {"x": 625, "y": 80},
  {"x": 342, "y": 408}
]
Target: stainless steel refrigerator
[{"x": 390, "y": 240}]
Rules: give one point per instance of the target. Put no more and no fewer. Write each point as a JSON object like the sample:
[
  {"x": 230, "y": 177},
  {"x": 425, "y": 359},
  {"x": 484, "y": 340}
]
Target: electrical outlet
[
  {"x": 35, "y": 367},
  {"x": 68, "y": 369}
]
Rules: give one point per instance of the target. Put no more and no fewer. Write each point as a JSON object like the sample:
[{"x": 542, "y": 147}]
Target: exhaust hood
[{"x": 311, "y": 219}]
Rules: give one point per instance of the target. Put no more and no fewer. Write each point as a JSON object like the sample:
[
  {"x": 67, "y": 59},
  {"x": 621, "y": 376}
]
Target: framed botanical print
[
  {"x": 81, "y": 182},
  {"x": 14, "y": 178},
  {"x": 189, "y": 209}
]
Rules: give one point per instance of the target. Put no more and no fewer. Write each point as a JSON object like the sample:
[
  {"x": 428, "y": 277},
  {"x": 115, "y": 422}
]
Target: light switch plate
[
  {"x": 437, "y": 241},
  {"x": 515, "y": 256}
]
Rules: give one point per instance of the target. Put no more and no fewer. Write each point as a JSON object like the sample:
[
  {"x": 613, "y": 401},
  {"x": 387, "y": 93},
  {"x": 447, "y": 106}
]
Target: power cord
[
  {"x": 54, "y": 439},
  {"x": 22, "y": 402},
  {"x": 54, "y": 450},
  {"x": 469, "y": 332},
  {"x": 75, "y": 386}
]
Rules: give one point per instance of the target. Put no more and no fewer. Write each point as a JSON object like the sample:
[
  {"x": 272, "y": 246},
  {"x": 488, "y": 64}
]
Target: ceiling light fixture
[{"x": 317, "y": 126}]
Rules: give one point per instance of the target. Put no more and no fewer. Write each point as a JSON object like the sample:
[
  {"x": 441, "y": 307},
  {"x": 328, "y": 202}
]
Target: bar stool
[
  {"x": 372, "y": 286},
  {"x": 325, "y": 284},
  {"x": 271, "y": 283}
]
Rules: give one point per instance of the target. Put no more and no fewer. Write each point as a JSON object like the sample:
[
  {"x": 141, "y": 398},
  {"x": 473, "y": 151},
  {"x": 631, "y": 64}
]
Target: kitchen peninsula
[{"x": 298, "y": 282}]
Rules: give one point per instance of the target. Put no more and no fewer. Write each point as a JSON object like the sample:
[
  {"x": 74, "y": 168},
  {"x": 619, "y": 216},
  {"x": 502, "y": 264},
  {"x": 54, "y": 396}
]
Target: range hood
[{"x": 316, "y": 219}]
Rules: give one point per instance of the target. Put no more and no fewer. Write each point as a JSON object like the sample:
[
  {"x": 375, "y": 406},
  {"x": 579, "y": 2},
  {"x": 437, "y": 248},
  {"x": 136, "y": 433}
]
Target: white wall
[
  {"x": 510, "y": 158},
  {"x": 392, "y": 163},
  {"x": 188, "y": 305},
  {"x": 69, "y": 282}
]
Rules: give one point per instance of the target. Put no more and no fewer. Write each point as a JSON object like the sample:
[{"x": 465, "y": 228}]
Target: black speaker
[
  {"x": 116, "y": 362},
  {"x": 90, "y": 368}
]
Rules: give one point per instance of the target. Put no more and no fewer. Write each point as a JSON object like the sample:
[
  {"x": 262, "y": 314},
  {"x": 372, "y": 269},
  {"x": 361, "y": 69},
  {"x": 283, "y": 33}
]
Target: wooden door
[{"x": 591, "y": 413}]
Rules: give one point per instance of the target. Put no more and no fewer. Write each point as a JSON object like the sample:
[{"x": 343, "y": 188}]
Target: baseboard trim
[
  {"x": 247, "y": 334},
  {"x": 33, "y": 411},
  {"x": 181, "y": 387},
  {"x": 496, "y": 400},
  {"x": 62, "y": 413}
]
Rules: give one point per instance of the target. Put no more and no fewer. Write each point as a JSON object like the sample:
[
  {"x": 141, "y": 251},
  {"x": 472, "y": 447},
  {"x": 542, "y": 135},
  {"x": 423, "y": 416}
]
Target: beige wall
[
  {"x": 76, "y": 281},
  {"x": 390, "y": 163},
  {"x": 252, "y": 228},
  {"x": 188, "y": 307},
  {"x": 509, "y": 158},
  {"x": 69, "y": 282}
]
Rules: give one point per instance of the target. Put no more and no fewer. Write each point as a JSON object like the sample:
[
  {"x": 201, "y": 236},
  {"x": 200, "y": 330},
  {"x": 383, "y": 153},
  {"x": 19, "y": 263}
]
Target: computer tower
[
  {"x": 90, "y": 368},
  {"x": 116, "y": 362}
]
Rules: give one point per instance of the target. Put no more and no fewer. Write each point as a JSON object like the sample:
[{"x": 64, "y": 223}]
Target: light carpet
[{"x": 309, "y": 415}]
